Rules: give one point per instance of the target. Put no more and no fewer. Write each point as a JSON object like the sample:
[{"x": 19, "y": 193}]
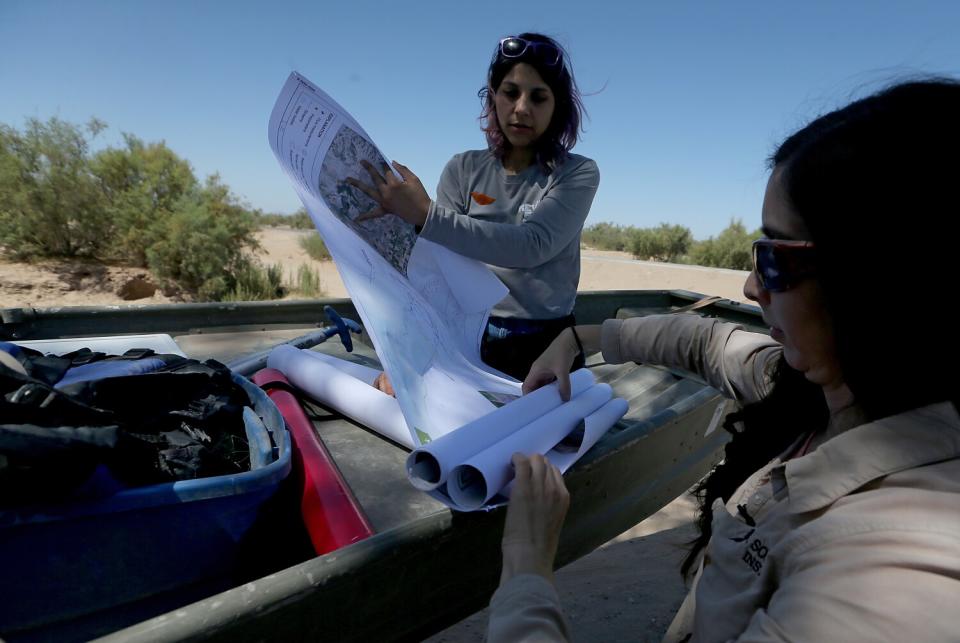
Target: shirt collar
[{"x": 855, "y": 457}]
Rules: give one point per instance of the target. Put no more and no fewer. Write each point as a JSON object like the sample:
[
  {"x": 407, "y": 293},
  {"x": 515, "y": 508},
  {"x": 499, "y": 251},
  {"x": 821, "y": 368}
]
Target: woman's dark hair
[
  {"x": 562, "y": 133},
  {"x": 760, "y": 431},
  {"x": 876, "y": 185}
]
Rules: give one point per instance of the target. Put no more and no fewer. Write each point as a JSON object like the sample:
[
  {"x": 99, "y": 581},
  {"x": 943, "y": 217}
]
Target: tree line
[{"x": 675, "y": 244}]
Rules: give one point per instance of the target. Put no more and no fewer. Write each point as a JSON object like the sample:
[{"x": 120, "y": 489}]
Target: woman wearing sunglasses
[
  {"x": 835, "y": 515},
  {"x": 518, "y": 205}
]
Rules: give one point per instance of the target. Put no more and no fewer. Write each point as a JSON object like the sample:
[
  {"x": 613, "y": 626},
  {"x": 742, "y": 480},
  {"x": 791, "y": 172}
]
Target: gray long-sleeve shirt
[{"x": 525, "y": 226}]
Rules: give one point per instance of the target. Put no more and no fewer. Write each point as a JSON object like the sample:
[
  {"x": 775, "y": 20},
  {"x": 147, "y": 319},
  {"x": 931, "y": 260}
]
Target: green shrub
[
  {"x": 608, "y": 236},
  {"x": 139, "y": 203},
  {"x": 50, "y": 202},
  {"x": 143, "y": 184},
  {"x": 308, "y": 281},
  {"x": 272, "y": 220},
  {"x": 664, "y": 243},
  {"x": 201, "y": 245},
  {"x": 730, "y": 249},
  {"x": 315, "y": 247},
  {"x": 299, "y": 220},
  {"x": 254, "y": 282}
]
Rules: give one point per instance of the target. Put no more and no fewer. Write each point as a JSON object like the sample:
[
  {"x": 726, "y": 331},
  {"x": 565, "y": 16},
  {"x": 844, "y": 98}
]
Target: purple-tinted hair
[{"x": 562, "y": 133}]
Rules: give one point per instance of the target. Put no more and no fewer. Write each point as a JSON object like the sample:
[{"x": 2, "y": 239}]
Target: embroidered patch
[
  {"x": 755, "y": 554},
  {"x": 482, "y": 198},
  {"x": 527, "y": 209}
]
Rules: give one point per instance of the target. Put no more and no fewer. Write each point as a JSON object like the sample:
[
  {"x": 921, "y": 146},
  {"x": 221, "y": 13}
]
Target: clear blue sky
[{"x": 694, "y": 94}]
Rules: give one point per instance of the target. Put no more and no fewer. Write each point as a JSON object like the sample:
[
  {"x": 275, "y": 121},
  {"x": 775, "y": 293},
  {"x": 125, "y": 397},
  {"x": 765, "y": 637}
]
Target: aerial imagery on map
[{"x": 390, "y": 236}]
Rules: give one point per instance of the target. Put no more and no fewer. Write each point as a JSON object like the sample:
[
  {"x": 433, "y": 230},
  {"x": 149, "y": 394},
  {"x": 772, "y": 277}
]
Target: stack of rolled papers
[
  {"x": 469, "y": 467},
  {"x": 466, "y": 468},
  {"x": 343, "y": 386}
]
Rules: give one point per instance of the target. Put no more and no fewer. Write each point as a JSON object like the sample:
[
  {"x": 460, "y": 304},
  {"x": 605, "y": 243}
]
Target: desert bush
[
  {"x": 254, "y": 282},
  {"x": 608, "y": 236},
  {"x": 50, "y": 203},
  {"x": 139, "y": 203},
  {"x": 664, "y": 243},
  {"x": 201, "y": 245},
  {"x": 299, "y": 220},
  {"x": 271, "y": 220},
  {"x": 730, "y": 249},
  {"x": 308, "y": 281},
  {"x": 315, "y": 247},
  {"x": 143, "y": 185}
]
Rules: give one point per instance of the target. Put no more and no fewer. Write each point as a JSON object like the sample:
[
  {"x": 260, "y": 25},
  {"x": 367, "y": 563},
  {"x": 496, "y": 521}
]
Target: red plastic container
[{"x": 331, "y": 513}]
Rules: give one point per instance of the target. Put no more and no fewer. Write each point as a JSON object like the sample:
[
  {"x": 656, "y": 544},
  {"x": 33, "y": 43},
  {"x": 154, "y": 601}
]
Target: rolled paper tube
[
  {"x": 588, "y": 433},
  {"x": 593, "y": 427},
  {"x": 359, "y": 371},
  {"x": 473, "y": 483},
  {"x": 428, "y": 465},
  {"x": 343, "y": 393}
]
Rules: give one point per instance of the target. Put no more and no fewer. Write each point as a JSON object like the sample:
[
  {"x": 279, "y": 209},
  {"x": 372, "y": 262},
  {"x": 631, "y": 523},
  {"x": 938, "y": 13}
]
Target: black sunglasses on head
[
  {"x": 780, "y": 264},
  {"x": 515, "y": 47}
]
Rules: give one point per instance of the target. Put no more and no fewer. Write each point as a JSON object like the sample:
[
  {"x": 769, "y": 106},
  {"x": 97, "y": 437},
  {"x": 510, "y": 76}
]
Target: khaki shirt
[{"x": 858, "y": 540}]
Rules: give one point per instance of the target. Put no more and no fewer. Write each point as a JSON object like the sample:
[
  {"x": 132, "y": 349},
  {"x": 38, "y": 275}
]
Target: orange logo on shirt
[{"x": 482, "y": 198}]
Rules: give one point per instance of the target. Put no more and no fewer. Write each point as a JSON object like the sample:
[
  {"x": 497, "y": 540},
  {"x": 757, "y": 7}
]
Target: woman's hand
[
  {"x": 405, "y": 198},
  {"x": 554, "y": 364},
  {"x": 382, "y": 384},
  {"x": 538, "y": 505}
]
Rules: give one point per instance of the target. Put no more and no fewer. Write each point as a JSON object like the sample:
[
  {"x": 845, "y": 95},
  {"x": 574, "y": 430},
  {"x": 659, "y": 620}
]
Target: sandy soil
[
  {"x": 630, "y": 587},
  {"x": 282, "y": 246},
  {"x": 71, "y": 283}
]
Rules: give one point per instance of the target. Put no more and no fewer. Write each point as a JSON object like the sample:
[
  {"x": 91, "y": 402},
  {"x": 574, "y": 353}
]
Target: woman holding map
[{"x": 518, "y": 205}]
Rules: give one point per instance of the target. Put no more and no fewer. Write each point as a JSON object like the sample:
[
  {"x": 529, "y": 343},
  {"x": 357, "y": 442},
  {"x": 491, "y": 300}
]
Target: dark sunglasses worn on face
[
  {"x": 514, "y": 47},
  {"x": 780, "y": 264}
]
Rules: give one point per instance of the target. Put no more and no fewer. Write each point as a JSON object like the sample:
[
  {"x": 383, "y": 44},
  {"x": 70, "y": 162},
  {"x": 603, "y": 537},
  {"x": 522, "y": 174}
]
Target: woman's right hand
[
  {"x": 404, "y": 197},
  {"x": 538, "y": 505},
  {"x": 554, "y": 365}
]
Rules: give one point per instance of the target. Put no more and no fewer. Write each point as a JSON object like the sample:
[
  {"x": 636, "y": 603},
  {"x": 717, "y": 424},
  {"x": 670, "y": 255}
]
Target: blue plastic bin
[{"x": 73, "y": 570}]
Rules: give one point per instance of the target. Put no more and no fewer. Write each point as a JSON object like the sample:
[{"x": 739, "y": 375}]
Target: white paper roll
[
  {"x": 593, "y": 427},
  {"x": 473, "y": 483},
  {"x": 359, "y": 371},
  {"x": 342, "y": 392},
  {"x": 428, "y": 465},
  {"x": 575, "y": 445}
]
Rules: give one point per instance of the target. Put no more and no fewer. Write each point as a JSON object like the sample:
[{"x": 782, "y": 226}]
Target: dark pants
[{"x": 511, "y": 345}]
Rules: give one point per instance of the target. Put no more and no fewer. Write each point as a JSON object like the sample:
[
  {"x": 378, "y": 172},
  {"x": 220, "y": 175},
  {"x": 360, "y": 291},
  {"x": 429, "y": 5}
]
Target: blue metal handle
[{"x": 341, "y": 327}]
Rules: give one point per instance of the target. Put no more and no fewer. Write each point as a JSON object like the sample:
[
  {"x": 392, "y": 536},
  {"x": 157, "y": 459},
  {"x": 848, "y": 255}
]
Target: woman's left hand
[
  {"x": 405, "y": 198},
  {"x": 382, "y": 384}
]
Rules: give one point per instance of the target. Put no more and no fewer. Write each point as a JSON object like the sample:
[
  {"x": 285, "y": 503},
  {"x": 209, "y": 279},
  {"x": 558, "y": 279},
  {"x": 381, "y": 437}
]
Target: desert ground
[{"x": 629, "y": 588}]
